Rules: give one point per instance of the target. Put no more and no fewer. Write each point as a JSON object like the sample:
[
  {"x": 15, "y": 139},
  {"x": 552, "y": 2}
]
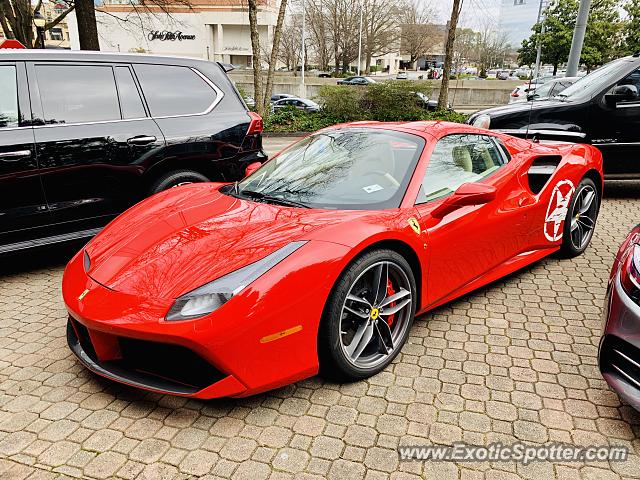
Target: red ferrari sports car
[{"x": 320, "y": 259}]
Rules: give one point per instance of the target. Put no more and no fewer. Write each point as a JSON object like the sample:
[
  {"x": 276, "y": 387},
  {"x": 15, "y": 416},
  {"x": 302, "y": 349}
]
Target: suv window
[
  {"x": 632, "y": 79},
  {"x": 77, "y": 93},
  {"x": 458, "y": 159},
  {"x": 130, "y": 101},
  {"x": 9, "y": 98},
  {"x": 172, "y": 90}
]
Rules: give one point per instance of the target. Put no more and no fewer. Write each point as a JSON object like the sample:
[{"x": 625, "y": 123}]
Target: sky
[{"x": 475, "y": 13}]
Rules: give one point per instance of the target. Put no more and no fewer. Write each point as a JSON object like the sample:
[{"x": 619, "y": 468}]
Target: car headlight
[
  {"x": 482, "y": 121},
  {"x": 204, "y": 300}
]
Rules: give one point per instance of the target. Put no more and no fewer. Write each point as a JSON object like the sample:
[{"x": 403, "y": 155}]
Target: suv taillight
[
  {"x": 256, "y": 126},
  {"x": 630, "y": 273}
]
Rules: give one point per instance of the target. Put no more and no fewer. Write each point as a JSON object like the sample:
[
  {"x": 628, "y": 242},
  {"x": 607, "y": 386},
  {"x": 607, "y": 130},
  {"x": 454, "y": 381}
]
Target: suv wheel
[{"x": 175, "y": 179}]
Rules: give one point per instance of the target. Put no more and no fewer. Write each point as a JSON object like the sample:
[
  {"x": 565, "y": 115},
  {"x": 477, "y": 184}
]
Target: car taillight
[
  {"x": 630, "y": 273},
  {"x": 515, "y": 93},
  {"x": 256, "y": 126}
]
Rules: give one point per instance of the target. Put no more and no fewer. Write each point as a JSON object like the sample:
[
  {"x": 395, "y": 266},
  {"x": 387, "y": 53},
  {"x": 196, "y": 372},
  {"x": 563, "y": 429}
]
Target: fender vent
[{"x": 541, "y": 170}]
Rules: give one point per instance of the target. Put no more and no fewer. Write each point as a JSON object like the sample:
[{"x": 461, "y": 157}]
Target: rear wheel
[
  {"x": 581, "y": 219},
  {"x": 175, "y": 179},
  {"x": 368, "y": 316}
]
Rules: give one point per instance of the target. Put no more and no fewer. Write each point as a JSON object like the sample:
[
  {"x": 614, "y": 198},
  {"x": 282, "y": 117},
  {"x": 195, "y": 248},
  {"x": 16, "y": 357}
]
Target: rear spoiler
[
  {"x": 227, "y": 67},
  {"x": 536, "y": 135}
]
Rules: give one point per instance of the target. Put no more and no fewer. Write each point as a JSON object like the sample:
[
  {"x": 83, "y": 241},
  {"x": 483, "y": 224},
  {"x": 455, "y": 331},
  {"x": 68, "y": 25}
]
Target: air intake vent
[{"x": 541, "y": 170}]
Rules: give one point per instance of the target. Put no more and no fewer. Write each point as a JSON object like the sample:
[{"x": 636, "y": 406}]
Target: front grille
[
  {"x": 159, "y": 366},
  {"x": 621, "y": 359}
]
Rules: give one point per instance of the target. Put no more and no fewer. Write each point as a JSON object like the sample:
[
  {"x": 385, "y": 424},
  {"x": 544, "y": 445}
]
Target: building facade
[
  {"x": 210, "y": 29},
  {"x": 517, "y": 17}
]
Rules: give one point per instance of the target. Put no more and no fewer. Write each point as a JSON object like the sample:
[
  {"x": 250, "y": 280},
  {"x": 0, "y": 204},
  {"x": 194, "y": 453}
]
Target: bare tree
[
  {"x": 380, "y": 28},
  {"x": 418, "y": 34},
  {"x": 273, "y": 58},
  {"x": 257, "y": 63},
  {"x": 289, "y": 51},
  {"x": 16, "y": 19},
  {"x": 448, "y": 54}
]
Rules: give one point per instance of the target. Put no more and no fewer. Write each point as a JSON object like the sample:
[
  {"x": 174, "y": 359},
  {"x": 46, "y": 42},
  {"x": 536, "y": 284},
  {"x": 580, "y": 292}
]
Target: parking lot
[{"x": 516, "y": 360}]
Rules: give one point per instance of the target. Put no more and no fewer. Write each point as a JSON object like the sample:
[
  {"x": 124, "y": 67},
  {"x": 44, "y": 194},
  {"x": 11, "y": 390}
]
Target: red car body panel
[{"x": 266, "y": 336}]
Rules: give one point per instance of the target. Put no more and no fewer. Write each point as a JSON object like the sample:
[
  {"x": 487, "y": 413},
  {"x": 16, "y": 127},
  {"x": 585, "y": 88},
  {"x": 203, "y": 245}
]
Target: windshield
[
  {"x": 364, "y": 169},
  {"x": 593, "y": 83}
]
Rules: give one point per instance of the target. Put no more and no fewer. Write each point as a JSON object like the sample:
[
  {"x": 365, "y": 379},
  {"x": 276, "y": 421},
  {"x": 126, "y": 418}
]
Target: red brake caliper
[{"x": 390, "y": 291}]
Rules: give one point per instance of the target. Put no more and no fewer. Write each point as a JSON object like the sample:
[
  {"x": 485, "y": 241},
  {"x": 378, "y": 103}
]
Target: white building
[
  {"x": 209, "y": 29},
  {"x": 517, "y": 17}
]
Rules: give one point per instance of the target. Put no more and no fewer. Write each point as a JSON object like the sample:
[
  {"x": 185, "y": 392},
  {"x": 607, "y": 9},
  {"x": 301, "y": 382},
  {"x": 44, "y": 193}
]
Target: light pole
[
  {"x": 536, "y": 72},
  {"x": 39, "y": 21},
  {"x": 360, "y": 40},
  {"x": 578, "y": 38}
]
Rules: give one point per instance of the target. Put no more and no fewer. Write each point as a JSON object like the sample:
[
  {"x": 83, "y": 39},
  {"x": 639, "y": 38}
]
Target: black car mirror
[{"x": 622, "y": 93}]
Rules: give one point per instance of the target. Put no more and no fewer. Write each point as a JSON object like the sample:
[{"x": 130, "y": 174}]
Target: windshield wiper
[{"x": 273, "y": 199}]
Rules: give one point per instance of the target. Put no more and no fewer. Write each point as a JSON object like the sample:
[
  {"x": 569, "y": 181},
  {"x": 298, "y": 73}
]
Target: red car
[{"x": 321, "y": 258}]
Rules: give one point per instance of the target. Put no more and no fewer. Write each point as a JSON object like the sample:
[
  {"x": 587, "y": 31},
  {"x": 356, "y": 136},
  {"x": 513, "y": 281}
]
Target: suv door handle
[
  {"x": 14, "y": 156},
  {"x": 142, "y": 140}
]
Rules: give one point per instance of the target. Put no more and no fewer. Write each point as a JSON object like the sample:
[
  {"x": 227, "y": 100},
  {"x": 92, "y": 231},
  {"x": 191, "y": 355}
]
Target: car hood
[{"x": 180, "y": 239}]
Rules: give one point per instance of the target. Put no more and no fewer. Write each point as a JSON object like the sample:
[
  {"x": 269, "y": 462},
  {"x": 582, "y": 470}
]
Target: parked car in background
[
  {"x": 551, "y": 88},
  {"x": 279, "y": 96},
  {"x": 295, "y": 102},
  {"x": 250, "y": 101},
  {"x": 83, "y": 136},
  {"x": 427, "y": 102},
  {"x": 602, "y": 108},
  {"x": 402, "y": 76},
  {"x": 503, "y": 75},
  {"x": 519, "y": 94},
  {"x": 619, "y": 354},
  {"x": 356, "y": 81}
]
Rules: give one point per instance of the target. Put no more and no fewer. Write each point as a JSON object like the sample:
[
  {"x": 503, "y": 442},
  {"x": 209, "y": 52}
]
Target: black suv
[
  {"x": 602, "y": 108},
  {"x": 83, "y": 136}
]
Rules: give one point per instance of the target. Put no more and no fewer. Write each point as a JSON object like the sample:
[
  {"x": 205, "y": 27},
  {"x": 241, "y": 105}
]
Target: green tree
[
  {"x": 556, "y": 38},
  {"x": 602, "y": 40},
  {"x": 631, "y": 30}
]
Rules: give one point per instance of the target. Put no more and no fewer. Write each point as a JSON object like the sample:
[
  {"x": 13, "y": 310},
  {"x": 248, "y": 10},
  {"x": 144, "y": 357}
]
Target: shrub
[{"x": 385, "y": 102}]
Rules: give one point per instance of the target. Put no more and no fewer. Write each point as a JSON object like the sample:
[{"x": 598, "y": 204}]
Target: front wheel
[
  {"x": 368, "y": 316},
  {"x": 176, "y": 178},
  {"x": 580, "y": 221}
]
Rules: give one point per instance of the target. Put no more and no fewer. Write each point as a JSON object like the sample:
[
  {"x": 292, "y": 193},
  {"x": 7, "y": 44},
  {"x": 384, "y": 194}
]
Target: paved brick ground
[{"x": 515, "y": 360}]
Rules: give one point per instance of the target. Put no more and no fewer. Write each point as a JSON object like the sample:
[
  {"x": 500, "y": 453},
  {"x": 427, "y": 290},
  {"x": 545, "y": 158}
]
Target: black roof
[{"x": 93, "y": 56}]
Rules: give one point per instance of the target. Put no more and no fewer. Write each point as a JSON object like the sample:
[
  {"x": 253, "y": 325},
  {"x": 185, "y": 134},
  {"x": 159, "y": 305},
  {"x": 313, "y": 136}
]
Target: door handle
[
  {"x": 14, "y": 156},
  {"x": 142, "y": 140}
]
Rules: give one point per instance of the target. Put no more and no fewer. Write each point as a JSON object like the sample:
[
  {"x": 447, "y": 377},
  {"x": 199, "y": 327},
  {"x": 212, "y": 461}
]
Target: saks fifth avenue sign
[{"x": 169, "y": 36}]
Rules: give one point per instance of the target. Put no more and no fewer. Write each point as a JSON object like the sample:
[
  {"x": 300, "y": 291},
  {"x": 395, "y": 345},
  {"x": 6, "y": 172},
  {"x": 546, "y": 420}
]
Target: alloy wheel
[
  {"x": 583, "y": 216},
  {"x": 375, "y": 315}
]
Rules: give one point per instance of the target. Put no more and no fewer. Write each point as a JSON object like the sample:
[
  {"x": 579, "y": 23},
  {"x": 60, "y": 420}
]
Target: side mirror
[
  {"x": 466, "y": 194},
  {"x": 622, "y": 93},
  {"x": 252, "y": 167}
]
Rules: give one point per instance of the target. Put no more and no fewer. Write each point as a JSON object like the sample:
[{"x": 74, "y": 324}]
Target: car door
[
  {"x": 472, "y": 240},
  {"x": 93, "y": 140},
  {"x": 617, "y": 130},
  {"x": 23, "y": 209}
]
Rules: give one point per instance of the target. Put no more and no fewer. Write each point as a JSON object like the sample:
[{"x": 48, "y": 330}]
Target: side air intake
[{"x": 541, "y": 170}]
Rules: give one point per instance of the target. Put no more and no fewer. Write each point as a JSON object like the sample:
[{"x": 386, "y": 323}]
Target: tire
[
  {"x": 176, "y": 178},
  {"x": 342, "y": 357},
  {"x": 578, "y": 221}
]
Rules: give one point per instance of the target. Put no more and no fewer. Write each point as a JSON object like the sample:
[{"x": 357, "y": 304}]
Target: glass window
[
  {"x": 351, "y": 168},
  {"x": 632, "y": 79},
  {"x": 458, "y": 159},
  {"x": 9, "y": 98},
  {"x": 130, "y": 100},
  {"x": 172, "y": 90},
  {"x": 77, "y": 93}
]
